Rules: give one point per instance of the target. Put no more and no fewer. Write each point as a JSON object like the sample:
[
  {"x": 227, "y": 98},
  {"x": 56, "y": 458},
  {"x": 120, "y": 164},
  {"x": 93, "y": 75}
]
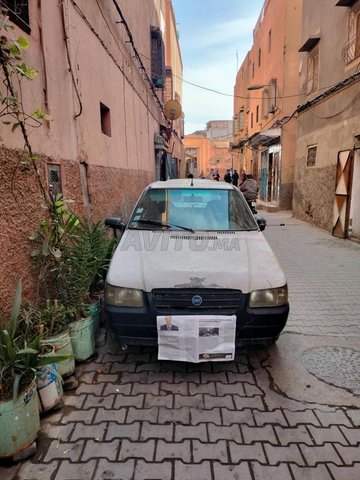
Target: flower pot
[
  {"x": 63, "y": 346},
  {"x": 49, "y": 386},
  {"x": 95, "y": 312},
  {"x": 19, "y": 422},
  {"x": 83, "y": 337}
]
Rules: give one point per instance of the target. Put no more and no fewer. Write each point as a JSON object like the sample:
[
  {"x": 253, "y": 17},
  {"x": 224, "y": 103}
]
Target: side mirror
[
  {"x": 117, "y": 225},
  {"x": 261, "y": 223}
]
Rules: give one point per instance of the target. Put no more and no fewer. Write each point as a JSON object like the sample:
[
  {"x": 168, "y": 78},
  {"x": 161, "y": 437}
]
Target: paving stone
[
  {"x": 277, "y": 454},
  {"x": 31, "y": 471},
  {"x": 130, "y": 431},
  {"x": 107, "y": 378},
  {"x": 333, "y": 418},
  {"x": 93, "y": 401},
  {"x": 93, "y": 388},
  {"x": 259, "y": 434},
  {"x": 345, "y": 473},
  {"x": 212, "y": 401},
  {"x": 239, "y": 453},
  {"x": 297, "y": 418},
  {"x": 348, "y": 454},
  {"x": 228, "y": 389},
  {"x": 86, "y": 377},
  {"x": 176, "y": 415},
  {"x": 196, "y": 401},
  {"x": 207, "y": 377},
  {"x": 181, "y": 388},
  {"x": 60, "y": 432},
  {"x": 153, "y": 471},
  {"x": 104, "y": 415},
  {"x": 66, "y": 450},
  {"x": 319, "y": 472},
  {"x": 85, "y": 416},
  {"x": 224, "y": 433},
  {"x": 88, "y": 431},
  {"x": 138, "y": 357},
  {"x": 352, "y": 435},
  {"x": 265, "y": 472},
  {"x": 210, "y": 451},
  {"x": 251, "y": 390},
  {"x": 255, "y": 402},
  {"x": 145, "y": 388},
  {"x": 158, "y": 401},
  {"x": 187, "y": 377},
  {"x": 240, "y": 378},
  {"x": 276, "y": 417},
  {"x": 354, "y": 415},
  {"x": 165, "y": 377},
  {"x": 128, "y": 401},
  {"x": 189, "y": 431},
  {"x": 113, "y": 357},
  {"x": 75, "y": 471},
  {"x": 144, "y": 450},
  {"x": 117, "y": 389},
  {"x": 114, "y": 470},
  {"x": 289, "y": 435},
  {"x": 167, "y": 450},
  {"x": 233, "y": 416},
  {"x": 76, "y": 401},
  {"x": 107, "y": 450},
  {"x": 201, "y": 471},
  {"x": 127, "y": 377},
  {"x": 117, "y": 367},
  {"x": 331, "y": 434},
  {"x": 232, "y": 472},
  {"x": 149, "y": 367},
  {"x": 149, "y": 430},
  {"x": 326, "y": 453},
  {"x": 142, "y": 414}
]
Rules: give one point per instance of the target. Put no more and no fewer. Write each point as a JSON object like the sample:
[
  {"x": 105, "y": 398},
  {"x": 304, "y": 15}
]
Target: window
[
  {"x": 351, "y": 51},
  {"x": 54, "y": 179},
  {"x": 265, "y": 103},
  {"x": 312, "y": 79},
  {"x": 257, "y": 113},
  {"x": 269, "y": 41},
  {"x": 259, "y": 57},
  {"x": 253, "y": 69},
  {"x": 251, "y": 120},
  {"x": 241, "y": 119},
  {"x": 105, "y": 119},
  {"x": 157, "y": 58},
  {"x": 18, "y": 11},
  {"x": 311, "y": 155}
]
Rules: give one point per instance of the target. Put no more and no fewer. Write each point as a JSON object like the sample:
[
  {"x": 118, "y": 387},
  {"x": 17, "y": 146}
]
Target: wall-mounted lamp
[{"x": 259, "y": 86}]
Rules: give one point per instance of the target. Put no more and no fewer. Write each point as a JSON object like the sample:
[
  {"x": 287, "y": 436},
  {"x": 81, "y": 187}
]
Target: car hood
[{"x": 147, "y": 259}]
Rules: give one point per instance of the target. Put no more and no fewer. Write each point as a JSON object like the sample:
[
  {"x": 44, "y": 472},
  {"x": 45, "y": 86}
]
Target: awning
[
  {"x": 309, "y": 43},
  {"x": 265, "y": 138},
  {"x": 238, "y": 144}
]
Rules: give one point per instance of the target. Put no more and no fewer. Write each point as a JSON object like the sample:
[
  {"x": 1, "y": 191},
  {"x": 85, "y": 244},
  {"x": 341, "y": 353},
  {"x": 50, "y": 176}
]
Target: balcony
[{"x": 351, "y": 51}]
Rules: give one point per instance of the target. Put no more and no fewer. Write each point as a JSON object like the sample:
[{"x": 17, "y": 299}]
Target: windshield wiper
[{"x": 166, "y": 225}]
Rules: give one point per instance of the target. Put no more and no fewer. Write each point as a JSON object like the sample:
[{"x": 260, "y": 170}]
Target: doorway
[{"x": 354, "y": 216}]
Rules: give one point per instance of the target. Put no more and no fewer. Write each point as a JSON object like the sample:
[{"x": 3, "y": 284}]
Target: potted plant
[{"x": 20, "y": 355}]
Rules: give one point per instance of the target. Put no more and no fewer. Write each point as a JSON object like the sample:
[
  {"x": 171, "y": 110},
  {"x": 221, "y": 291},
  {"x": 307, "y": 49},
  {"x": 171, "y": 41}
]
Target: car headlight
[
  {"x": 123, "y": 297},
  {"x": 271, "y": 297}
]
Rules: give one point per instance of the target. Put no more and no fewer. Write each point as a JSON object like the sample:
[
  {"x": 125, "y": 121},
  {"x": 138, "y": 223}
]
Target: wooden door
[{"x": 342, "y": 193}]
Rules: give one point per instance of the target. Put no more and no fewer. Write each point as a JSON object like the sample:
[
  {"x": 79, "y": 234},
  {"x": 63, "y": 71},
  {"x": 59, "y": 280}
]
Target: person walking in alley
[
  {"x": 249, "y": 189},
  {"x": 235, "y": 178},
  {"x": 227, "y": 177}
]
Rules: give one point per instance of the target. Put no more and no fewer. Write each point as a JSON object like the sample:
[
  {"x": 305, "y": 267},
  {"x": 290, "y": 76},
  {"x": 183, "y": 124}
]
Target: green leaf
[
  {"x": 15, "y": 308},
  {"x": 34, "y": 236},
  {"x": 41, "y": 115},
  {"x": 23, "y": 42}
]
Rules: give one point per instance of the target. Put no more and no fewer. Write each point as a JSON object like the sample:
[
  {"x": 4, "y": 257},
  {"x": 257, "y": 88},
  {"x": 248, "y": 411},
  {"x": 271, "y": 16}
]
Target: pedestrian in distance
[
  {"x": 250, "y": 189},
  {"x": 216, "y": 176},
  {"x": 227, "y": 177},
  {"x": 235, "y": 178}
]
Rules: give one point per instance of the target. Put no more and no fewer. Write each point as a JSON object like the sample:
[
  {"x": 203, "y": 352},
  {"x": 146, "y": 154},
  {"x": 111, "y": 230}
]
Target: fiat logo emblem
[{"x": 196, "y": 300}]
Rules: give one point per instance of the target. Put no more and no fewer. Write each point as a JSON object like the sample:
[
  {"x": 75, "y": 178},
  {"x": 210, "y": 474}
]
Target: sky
[{"x": 215, "y": 36}]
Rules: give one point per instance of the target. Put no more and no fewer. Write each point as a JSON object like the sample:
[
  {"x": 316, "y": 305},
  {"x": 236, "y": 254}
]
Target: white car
[{"x": 193, "y": 247}]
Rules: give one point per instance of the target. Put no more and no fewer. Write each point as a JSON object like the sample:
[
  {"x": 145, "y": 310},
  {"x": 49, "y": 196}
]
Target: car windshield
[{"x": 192, "y": 209}]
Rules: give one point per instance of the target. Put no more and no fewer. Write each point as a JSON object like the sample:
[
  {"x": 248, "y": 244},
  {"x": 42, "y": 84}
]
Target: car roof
[{"x": 192, "y": 182}]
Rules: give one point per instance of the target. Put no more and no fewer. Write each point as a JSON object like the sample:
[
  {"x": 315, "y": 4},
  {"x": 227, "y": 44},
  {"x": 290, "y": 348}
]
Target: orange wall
[{"x": 211, "y": 154}]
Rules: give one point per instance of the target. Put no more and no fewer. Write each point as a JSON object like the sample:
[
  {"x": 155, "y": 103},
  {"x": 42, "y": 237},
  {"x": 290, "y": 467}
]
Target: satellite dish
[{"x": 172, "y": 110}]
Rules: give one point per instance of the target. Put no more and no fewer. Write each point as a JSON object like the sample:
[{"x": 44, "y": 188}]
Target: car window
[{"x": 197, "y": 209}]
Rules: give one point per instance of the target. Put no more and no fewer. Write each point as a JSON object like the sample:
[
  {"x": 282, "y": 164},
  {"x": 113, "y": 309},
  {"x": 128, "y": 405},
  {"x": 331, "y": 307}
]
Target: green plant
[{"x": 20, "y": 352}]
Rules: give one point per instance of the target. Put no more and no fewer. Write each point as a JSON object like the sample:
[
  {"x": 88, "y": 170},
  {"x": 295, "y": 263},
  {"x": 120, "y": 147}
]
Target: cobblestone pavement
[{"x": 290, "y": 412}]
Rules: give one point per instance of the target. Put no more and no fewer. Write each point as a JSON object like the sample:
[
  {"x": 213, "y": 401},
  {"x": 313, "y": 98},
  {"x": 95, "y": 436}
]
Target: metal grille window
[
  {"x": 157, "y": 58},
  {"x": 311, "y": 155},
  {"x": 18, "y": 11},
  {"x": 54, "y": 178},
  {"x": 312, "y": 80},
  {"x": 351, "y": 51}
]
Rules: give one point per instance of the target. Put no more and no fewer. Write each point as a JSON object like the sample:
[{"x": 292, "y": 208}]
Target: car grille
[{"x": 181, "y": 298}]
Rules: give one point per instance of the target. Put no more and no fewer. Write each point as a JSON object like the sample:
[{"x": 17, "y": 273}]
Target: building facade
[
  {"x": 265, "y": 98},
  {"x": 102, "y": 79},
  {"x": 327, "y": 174}
]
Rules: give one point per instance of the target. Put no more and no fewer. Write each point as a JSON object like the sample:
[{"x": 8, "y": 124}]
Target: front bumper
[{"x": 137, "y": 326}]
